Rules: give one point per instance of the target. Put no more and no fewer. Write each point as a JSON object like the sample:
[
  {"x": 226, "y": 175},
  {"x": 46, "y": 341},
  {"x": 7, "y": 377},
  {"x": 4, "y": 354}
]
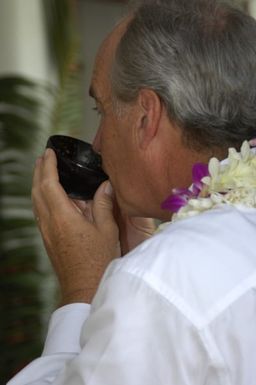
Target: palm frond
[{"x": 29, "y": 113}]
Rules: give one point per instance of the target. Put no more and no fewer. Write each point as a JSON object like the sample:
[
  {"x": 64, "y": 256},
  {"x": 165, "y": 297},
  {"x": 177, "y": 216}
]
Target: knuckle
[{"x": 47, "y": 184}]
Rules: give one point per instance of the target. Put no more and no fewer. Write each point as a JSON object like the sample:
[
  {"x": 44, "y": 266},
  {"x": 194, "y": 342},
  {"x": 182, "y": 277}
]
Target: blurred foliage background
[{"x": 29, "y": 112}]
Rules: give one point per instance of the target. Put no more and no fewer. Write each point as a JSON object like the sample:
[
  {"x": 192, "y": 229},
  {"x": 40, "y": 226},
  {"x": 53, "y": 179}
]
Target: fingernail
[
  {"x": 108, "y": 188},
  {"x": 39, "y": 159},
  {"x": 47, "y": 152}
]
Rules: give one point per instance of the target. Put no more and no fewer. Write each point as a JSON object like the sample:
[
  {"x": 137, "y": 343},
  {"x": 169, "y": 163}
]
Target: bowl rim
[{"x": 71, "y": 161}]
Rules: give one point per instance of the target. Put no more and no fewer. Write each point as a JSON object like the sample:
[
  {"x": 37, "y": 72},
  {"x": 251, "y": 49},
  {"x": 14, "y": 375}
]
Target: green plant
[
  {"x": 29, "y": 113},
  {"x": 20, "y": 301}
]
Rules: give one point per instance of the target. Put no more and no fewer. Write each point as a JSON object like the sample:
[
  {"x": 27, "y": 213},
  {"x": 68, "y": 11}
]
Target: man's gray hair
[{"x": 199, "y": 56}]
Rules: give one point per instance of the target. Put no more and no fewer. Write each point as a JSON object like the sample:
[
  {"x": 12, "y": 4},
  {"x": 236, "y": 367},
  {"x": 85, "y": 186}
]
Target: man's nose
[{"x": 96, "y": 144}]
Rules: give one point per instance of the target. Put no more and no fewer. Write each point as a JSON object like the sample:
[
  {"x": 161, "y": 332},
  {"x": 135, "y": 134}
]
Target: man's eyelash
[{"x": 97, "y": 110}]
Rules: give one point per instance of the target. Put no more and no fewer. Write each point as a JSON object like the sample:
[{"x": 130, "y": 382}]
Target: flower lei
[{"x": 230, "y": 182}]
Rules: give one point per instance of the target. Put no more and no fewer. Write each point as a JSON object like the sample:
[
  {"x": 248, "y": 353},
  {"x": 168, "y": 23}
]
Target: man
[{"x": 175, "y": 84}]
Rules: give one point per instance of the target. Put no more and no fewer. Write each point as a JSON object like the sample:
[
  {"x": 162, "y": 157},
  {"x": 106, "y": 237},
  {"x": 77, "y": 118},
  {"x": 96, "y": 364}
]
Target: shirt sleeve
[
  {"x": 62, "y": 344},
  {"x": 133, "y": 336}
]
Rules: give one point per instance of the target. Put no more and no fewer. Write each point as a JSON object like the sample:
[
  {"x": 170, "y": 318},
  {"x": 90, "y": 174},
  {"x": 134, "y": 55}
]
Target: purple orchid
[
  {"x": 180, "y": 197},
  {"x": 252, "y": 142}
]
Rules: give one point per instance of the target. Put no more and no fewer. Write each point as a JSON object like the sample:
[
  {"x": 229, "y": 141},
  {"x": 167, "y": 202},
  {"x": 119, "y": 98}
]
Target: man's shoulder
[
  {"x": 199, "y": 260},
  {"x": 212, "y": 235}
]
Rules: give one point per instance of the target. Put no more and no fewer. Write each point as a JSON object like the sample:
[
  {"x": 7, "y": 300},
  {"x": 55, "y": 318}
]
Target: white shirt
[{"x": 180, "y": 309}]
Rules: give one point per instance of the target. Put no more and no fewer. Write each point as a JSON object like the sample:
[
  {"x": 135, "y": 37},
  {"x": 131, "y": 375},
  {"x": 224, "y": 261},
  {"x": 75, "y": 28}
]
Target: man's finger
[
  {"x": 84, "y": 208},
  {"x": 103, "y": 205},
  {"x": 37, "y": 171},
  {"x": 50, "y": 165},
  {"x": 36, "y": 196},
  {"x": 54, "y": 194}
]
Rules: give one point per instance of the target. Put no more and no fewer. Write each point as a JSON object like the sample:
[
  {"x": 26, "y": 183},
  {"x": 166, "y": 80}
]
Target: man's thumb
[{"x": 103, "y": 204}]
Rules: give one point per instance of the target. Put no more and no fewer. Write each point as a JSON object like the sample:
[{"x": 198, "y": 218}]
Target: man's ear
[{"x": 149, "y": 118}]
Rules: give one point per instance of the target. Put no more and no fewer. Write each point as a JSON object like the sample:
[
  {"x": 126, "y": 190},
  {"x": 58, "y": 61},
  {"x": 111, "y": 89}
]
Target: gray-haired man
[{"x": 175, "y": 84}]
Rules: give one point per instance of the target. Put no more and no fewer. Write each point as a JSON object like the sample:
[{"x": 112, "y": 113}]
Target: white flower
[
  {"x": 243, "y": 196},
  {"x": 245, "y": 151},
  {"x": 240, "y": 171},
  {"x": 231, "y": 182},
  {"x": 214, "y": 167}
]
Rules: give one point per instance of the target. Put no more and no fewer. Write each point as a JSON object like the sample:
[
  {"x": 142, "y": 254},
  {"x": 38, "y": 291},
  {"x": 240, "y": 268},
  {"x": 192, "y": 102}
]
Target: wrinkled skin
[
  {"x": 144, "y": 156},
  {"x": 81, "y": 238}
]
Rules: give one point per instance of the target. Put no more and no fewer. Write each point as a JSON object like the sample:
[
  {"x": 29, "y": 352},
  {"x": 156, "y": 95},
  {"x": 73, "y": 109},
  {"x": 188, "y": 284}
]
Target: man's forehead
[
  {"x": 113, "y": 38},
  {"x": 109, "y": 45},
  {"x": 100, "y": 84},
  {"x": 104, "y": 58}
]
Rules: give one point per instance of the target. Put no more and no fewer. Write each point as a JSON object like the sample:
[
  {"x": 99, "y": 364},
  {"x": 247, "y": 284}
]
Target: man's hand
[
  {"x": 80, "y": 243},
  {"x": 132, "y": 230}
]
